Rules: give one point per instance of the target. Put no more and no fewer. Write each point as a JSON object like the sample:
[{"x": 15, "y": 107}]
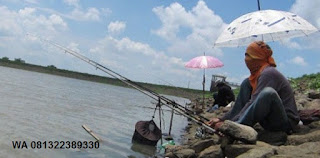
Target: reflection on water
[
  {"x": 144, "y": 149},
  {"x": 41, "y": 107}
]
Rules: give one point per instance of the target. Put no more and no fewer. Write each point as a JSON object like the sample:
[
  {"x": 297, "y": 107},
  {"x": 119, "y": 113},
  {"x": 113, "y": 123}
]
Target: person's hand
[
  {"x": 213, "y": 122},
  {"x": 217, "y": 125}
]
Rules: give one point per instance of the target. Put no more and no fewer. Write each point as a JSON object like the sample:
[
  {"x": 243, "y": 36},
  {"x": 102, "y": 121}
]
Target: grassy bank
[
  {"x": 51, "y": 69},
  {"x": 306, "y": 82}
]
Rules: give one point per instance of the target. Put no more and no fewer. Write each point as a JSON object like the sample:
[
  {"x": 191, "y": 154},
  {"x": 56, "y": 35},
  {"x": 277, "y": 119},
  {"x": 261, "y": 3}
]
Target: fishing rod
[{"x": 162, "y": 100}]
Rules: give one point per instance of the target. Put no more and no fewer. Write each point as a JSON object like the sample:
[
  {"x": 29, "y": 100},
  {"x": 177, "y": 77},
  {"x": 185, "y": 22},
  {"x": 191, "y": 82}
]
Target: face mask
[{"x": 253, "y": 64}]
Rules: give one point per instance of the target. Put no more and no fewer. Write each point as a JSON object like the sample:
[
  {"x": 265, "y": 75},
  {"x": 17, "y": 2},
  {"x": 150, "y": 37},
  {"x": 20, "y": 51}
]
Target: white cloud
[
  {"x": 80, "y": 14},
  {"x": 189, "y": 32},
  {"x": 16, "y": 24},
  {"x": 9, "y": 21},
  {"x": 106, "y": 11},
  {"x": 26, "y": 11},
  {"x": 116, "y": 27},
  {"x": 32, "y": 1},
  {"x": 92, "y": 14},
  {"x": 74, "y": 3},
  {"x": 310, "y": 11},
  {"x": 299, "y": 61},
  {"x": 291, "y": 44},
  {"x": 22, "y": 1},
  {"x": 26, "y": 20},
  {"x": 74, "y": 47},
  {"x": 57, "y": 20},
  {"x": 129, "y": 56}
]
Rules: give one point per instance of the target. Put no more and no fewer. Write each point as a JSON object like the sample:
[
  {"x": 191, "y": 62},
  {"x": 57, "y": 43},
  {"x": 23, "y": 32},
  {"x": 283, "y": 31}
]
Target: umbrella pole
[
  {"x": 258, "y": 4},
  {"x": 203, "y": 86}
]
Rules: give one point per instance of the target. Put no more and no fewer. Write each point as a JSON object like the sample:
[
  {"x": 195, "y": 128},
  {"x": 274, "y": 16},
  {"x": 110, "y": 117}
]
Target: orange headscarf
[{"x": 258, "y": 57}]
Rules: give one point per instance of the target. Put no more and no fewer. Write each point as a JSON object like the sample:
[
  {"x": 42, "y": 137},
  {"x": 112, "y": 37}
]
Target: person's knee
[{"x": 269, "y": 92}]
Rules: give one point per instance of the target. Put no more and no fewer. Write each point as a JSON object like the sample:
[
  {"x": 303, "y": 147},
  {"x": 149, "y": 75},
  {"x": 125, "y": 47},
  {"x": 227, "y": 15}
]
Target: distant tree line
[
  {"x": 20, "y": 61},
  {"x": 16, "y": 60}
]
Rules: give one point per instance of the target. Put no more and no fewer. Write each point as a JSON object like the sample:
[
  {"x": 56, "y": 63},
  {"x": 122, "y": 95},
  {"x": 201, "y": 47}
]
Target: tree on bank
[
  {"x": 5, "y": 59},
  {"x": 19, "y": 60}
]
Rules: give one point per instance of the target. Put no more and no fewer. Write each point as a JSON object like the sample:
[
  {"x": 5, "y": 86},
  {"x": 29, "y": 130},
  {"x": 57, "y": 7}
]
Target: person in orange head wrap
[
  {"x": 257, "y": 57},
  {"x": 265, "y": 97}
]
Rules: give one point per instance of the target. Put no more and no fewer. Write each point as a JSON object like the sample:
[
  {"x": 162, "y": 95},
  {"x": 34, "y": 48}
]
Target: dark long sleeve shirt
[{"x": 270, "y": 77}]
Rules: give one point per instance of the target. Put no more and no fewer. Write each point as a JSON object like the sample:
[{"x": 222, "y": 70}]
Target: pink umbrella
[{"x": 204, "y": 62}]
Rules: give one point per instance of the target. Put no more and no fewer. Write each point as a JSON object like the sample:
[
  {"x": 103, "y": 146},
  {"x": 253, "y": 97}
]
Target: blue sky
[{"x": 149, "y": 40}]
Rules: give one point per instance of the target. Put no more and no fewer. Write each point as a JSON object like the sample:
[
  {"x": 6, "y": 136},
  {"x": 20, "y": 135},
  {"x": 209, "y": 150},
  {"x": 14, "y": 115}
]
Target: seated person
[
  {"x": 265, "y": 97},
  {"x": 224, "y": 96}
]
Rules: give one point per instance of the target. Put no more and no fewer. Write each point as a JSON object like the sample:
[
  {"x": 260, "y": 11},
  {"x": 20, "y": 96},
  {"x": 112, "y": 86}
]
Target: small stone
[{"x": 314, "y": 94}]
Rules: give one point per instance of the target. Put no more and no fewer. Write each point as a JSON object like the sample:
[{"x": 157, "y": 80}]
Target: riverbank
[
  {"x": 50, "y": 69},
  {"x": 304, "y": 142}
]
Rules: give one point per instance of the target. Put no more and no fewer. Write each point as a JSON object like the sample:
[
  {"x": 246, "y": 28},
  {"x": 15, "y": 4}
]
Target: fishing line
[{"x": 163, "y": 100}]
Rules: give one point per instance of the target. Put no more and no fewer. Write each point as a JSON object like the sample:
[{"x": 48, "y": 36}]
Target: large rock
[
  {"x": 235, "y": 150},
  {"x": 314, "y": 104},
  {"x": 300, "y": 139},
  {"x": 261, "y": 152},
  {"x": 211, "y": 152},
  {"x": 273, "y": 138},
  {"x": 173, "y": 148},
  {"x": 302, "y": 103},
  {"x": 185, "y": 153},
  {"x": 238, "y": 131},
  {"x": 201, "y": 145},
  {"x": 310, "y": 149},
  {"x": 301, "y": 129},
  {"x": 314, "y": 125}
]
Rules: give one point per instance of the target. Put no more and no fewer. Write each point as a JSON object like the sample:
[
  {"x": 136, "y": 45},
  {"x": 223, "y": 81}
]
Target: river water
[{"x": 41, "y": 108}]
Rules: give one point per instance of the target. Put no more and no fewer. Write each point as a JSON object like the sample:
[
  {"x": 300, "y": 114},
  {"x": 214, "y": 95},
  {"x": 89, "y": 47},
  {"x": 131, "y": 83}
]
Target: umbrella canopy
[
  {"x": 203, "y": 62},
  {"x": 265, "y": 25}
]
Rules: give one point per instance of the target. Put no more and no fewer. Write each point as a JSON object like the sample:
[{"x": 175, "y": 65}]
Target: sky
[{"x": 149, "y": 40}]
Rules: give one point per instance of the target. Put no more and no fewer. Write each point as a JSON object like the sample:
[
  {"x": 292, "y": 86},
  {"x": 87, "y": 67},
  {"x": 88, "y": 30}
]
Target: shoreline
[{"x": 160, "y": 89}]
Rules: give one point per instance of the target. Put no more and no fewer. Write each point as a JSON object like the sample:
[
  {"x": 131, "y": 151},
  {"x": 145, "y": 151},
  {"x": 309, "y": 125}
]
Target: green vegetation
[
  {"x": 306, "y": 82},
  {"x": 301, "y": 84},
  {"x": 236, "y": 91},
  {"x": 51, "y": 67},
  {"x": 19, "y": 61},
  {"x": 5, "y": 59}
]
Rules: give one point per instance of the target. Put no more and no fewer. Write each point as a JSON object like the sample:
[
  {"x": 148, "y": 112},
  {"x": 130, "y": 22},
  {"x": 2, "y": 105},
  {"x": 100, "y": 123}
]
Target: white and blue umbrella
[{"x": 265, "y": 25}]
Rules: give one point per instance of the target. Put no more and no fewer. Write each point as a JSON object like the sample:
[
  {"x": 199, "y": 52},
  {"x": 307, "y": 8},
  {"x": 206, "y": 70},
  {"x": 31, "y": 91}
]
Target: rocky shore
[{"x": 304, "y": 142}]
